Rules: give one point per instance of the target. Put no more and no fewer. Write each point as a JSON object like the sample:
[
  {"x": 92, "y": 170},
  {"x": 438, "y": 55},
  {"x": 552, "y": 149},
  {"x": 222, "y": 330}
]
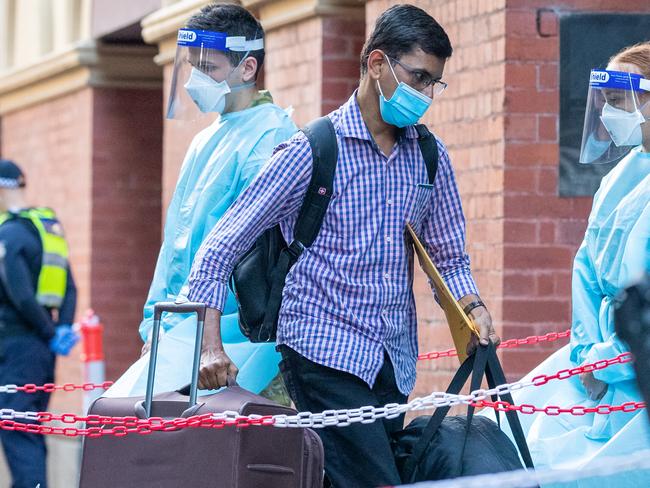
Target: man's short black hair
[
  {"x": 402, "y": 28},
  {"x": 234, "y": 21}
]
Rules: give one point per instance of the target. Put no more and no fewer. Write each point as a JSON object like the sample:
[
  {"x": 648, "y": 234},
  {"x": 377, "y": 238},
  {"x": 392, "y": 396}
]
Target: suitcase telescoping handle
[{"x": 186, "y": 307}]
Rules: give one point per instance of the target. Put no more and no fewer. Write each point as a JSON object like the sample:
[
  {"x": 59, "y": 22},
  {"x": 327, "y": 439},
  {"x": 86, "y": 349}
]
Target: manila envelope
[{"x": 460, "y": 325}]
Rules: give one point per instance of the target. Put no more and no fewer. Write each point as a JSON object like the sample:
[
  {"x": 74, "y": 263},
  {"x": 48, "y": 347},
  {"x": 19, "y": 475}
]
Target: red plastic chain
[
  {"x": 126, "y": 425},
  {"x": 552, "y": 410},
  {"x": 510, "y": 343},
  {"x": 51, "y": 387},
  {"x": 563, "y": 374}
]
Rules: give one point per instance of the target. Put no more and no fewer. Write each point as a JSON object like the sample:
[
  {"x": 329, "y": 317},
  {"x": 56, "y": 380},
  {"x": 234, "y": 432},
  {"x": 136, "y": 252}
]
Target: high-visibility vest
[{"x": 53, "y": 277}]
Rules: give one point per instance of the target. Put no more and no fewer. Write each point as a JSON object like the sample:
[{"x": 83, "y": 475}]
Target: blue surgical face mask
[
  {"x": 405, "y": 107},
  {"x": 208, "y": 94}
]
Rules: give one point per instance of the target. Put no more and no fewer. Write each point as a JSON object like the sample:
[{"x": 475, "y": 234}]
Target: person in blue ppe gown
[
  {"x": 614, "y": 254},
  {"x": 219, "y": 54}
]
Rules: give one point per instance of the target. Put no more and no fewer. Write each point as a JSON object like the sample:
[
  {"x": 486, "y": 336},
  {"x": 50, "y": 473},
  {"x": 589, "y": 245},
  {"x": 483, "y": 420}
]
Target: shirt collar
[{"x": 353, "y": 126}]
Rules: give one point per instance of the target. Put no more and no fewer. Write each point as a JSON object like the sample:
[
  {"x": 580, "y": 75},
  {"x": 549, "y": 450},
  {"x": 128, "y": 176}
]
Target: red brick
[
  {"x": 547, "y": 182},
  {"x": 546, "y": 284},
  {"x": 521, "y": 75},
  {"x": 521, "y": 127},
  {"x": 519, "y": 232},
  {"x": 532, "y": 49},
  {"x": 532, "y": 101},
  {"x": 537, "y": 257},
  {"x": 542, "y": 154},
  {"x": 546, "y": 232},
  {"x": 518, "y": 363},
  {"x": 547, "y": 76},
  {"x": 519, "y": 284},
  {"x": 521, "y": 23},
  {"x": 520, "y": 180},
  {"x": 548, "y": 128},
  {"x": 535, "y": 310}
]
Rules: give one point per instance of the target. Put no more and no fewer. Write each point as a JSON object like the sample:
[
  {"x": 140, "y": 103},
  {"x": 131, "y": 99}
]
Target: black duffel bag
[{"x": 438, "y": 447}]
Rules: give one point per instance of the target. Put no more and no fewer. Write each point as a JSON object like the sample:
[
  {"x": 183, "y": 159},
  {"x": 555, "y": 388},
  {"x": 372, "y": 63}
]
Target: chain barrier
[
  {"x": 509, "y": 344},
  {"x": 51, "y": 387},
  {"x": 523, "y": 479},
  {"x": 68, "y": 387},
  {"x": 578, "y": 410},
  {"x": 328, "y": 418}
]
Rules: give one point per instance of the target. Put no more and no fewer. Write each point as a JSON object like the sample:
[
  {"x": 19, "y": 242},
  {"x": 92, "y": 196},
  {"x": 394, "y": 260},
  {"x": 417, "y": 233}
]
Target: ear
[
  {"x": 249, "y": 68},
  {"x": 376, "y": 62}
]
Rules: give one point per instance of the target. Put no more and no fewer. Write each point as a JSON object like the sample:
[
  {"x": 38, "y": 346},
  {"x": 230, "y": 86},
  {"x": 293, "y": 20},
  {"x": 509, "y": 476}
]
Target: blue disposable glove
[{"x": 64, "y": 340}]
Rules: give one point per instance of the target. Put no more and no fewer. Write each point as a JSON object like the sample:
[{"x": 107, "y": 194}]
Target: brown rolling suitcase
[{"x": 230, "y": 457}]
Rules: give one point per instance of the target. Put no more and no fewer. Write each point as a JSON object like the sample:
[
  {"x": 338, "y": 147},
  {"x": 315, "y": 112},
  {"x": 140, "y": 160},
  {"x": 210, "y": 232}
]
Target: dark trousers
[
  {"x": 25, "y": 359},
  {"x": 360, "y": 455}
]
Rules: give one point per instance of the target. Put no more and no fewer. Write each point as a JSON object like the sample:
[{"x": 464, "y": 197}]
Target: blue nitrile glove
[{"x": 64, "y": 340}]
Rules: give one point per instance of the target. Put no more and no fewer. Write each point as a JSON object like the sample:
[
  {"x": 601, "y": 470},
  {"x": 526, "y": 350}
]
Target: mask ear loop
[{"x": 394, "y": 76}]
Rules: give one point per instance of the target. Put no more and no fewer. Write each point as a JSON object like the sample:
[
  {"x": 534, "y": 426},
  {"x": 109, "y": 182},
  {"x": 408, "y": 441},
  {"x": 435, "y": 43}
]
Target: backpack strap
[
  {"x": 429, "y": 149},
  {"x": 325, "y": 151}
]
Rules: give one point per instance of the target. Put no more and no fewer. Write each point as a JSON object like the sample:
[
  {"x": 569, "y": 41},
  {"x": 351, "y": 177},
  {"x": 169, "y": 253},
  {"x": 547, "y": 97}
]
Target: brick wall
[
  {"x": 126, "y": 214},
  {"x": 52, "y": 143},
  {"x": 313, "y": 65},
  {"x": 95, "y": 157},
  {"x": 541, "y": 230}
]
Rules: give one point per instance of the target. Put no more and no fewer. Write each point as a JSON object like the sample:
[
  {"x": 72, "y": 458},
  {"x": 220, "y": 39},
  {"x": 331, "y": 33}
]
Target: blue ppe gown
[
  {"x": 614, "y": 254},
  {"x": 221, "y": 161}
]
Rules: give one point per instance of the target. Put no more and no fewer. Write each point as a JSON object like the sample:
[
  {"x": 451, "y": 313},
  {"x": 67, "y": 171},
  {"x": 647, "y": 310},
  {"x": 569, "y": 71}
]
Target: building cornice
[
  {"x": 275, "y": 14},
  {"x": 84, "y": 65}
]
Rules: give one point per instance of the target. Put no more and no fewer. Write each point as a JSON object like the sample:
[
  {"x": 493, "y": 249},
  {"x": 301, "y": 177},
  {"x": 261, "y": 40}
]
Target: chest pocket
[{"x": 418, "y": 204}]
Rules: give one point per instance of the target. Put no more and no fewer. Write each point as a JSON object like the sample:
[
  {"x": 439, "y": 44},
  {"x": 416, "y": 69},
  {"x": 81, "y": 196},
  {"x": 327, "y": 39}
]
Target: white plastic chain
[
  {"x": 9, "y": 389},
  {"x": 368, "y": 414},
  {"x": 10, "y": 414},
  {"x": 345, "y": 417},
  {"x": 522, "y": 478}
]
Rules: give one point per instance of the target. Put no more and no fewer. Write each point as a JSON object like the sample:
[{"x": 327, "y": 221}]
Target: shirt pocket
[{"x": 418, "y": 204}]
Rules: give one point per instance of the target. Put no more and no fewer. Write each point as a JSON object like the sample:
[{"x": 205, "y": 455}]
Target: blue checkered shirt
[{"x": 349, "y": 296}]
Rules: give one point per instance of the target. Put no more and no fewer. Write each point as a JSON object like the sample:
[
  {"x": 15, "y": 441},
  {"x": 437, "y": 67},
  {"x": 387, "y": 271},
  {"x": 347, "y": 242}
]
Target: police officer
[{"x": 37, "y": 304}]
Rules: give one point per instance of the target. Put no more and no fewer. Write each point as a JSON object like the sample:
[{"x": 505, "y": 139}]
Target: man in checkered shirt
[{"x": 347, "y": 327}]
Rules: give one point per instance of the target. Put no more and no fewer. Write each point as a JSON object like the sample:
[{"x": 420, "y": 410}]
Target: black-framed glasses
[{"x": 421, "y": 80}]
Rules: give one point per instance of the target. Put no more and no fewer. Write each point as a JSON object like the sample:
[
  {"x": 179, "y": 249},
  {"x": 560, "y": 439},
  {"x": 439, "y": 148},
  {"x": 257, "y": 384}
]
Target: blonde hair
[{"x": 638, "y": 55}]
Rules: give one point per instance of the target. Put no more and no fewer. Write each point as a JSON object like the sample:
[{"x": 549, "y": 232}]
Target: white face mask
[
  {"x": 624, "y": 127},
  {"x": 209, "y": 95}
]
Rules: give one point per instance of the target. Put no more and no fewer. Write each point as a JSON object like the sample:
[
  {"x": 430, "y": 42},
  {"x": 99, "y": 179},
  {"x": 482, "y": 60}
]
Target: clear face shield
[
  {"x": 617, "y": 105},
  {"x": 202, "y": 69}
]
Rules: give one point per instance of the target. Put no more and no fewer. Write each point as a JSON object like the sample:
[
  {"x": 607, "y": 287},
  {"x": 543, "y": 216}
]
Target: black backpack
[
  {"x": 258, "y": 278},
  {"x": 437, "y": 447}
]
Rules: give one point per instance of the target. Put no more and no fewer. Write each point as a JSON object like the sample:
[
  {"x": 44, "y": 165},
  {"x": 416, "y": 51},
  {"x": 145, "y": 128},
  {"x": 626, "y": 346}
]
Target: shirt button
[
  {"x": 388, "y": 239},
  {"x": 389, "y": 202},
  {"x": 386, "y": 276},
  {"x": 384, "y": 312}
]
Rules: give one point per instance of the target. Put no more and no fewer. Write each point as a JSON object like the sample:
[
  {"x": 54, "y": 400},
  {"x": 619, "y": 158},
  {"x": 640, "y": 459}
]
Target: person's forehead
[
  {"x": 418, "y": 59},
  {"x": 197, "y": 55}
]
